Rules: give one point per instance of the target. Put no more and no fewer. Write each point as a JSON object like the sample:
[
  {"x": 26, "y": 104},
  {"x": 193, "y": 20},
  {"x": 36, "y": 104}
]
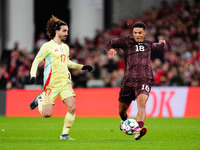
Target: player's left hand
[
  {"x": 162, "y": 41},
  {"x": 87, "y": 67}
]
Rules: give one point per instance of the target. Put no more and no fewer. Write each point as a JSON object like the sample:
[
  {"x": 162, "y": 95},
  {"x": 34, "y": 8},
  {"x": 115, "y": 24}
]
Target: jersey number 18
[
  {"x": 145, "y": 87},
  {"x": 139, "y": 48}
]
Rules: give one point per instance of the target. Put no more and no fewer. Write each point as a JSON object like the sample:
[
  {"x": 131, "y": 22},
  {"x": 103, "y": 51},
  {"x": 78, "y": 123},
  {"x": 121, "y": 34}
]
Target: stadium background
[{"x": 93, "y": 23}]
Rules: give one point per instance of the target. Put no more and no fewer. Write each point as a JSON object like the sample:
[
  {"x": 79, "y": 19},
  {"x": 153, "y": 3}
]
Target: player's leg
[
  {"x": 123, "y": 107},
  {"x": 68, "y": 96},
  {"x": 142, "y": 93},
  {"x": 45, "y": 106},
  {"x": 69, "y": 117},
  {"x": 125, "y": 99},
  {"x": 47, "y": 110},
  {"x": 141, "y": 115},
  {"x": 141, "y": 105},
  {"x": 34, "y": 103},
  {"x": 38, "y": 102}
]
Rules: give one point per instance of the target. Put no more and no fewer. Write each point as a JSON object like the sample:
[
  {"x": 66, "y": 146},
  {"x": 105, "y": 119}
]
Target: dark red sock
[{"x": 141, "y": 124}]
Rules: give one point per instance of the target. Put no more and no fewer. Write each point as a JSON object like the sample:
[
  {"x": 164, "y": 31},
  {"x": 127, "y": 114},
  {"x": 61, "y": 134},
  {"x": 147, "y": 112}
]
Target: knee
[
  {"x": 46, "y": 115},
  {"x": 47, "y": 111},
  {"x": 72, "y": 109}
]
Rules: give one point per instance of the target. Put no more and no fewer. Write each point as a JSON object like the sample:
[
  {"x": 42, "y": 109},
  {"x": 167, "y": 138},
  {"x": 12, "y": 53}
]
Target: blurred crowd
[{"x": 178, "y": 64}]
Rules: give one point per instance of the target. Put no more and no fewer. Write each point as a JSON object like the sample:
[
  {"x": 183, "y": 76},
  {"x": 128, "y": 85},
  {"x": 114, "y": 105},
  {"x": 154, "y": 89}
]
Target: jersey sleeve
[
  {"x": 117, "y": 43},
  {"x": 157, "y": 46},
  {"x": 43, "y": 52},
  {"x": 73, "y": 65}
]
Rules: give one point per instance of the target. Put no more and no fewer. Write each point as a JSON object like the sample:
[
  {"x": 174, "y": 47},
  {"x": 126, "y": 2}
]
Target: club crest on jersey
[
  {"x": 61, "y": 49},
  {"x": 56, "y": 50}
]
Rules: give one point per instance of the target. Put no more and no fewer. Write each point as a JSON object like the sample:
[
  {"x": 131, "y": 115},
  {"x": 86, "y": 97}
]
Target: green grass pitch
[{"x": 97, "y": 134}]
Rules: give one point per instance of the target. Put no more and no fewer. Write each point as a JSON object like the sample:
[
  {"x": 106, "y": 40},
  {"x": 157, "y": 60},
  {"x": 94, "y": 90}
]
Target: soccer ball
[{"x": 130, "y": 126}]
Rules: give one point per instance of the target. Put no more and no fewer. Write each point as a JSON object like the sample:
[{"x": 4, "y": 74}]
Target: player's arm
[
  {"x": 117, "y": 43},
  {"x": 73, "y": 65},
  {"x": 159, "y": 45},
  {"x": 39, "y": 58}
]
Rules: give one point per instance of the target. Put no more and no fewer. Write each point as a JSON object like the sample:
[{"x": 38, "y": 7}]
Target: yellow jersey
[{"x": 56, "y": 64}]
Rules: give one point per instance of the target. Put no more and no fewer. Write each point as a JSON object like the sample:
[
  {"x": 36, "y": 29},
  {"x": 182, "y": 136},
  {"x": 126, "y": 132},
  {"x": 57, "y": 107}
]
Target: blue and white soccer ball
[{"x": 130, "y": 126}]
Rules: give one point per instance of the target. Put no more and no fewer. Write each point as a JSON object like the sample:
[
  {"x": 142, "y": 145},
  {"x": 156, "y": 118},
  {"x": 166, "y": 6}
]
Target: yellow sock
[{"x": 68, "y": 121}]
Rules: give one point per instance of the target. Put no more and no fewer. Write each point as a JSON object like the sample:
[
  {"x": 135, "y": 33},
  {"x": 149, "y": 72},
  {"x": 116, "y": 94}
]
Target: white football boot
[
  {"x": 140, "y": 133},
  {"x": 121, "y": 124},
  {"x": 65, "y": 137}
]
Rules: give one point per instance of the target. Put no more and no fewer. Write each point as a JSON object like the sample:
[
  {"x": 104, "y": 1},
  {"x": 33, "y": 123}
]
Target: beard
[{"x": 62, "y": 38}]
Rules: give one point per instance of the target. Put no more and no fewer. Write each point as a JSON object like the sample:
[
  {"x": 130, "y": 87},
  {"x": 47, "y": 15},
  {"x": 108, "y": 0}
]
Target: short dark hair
[{"x": 139, "y": 25}]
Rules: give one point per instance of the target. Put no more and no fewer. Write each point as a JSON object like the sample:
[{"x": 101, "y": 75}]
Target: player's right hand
[
  {"x": 32, "y": 80},
  {"x": 111, "y": 53}
]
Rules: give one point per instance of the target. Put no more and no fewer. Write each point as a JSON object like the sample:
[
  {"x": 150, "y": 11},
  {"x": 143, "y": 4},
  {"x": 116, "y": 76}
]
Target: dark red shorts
[{"x": 129, "y": 93}]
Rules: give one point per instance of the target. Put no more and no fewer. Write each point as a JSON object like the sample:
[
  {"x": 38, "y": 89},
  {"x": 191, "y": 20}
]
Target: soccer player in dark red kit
[{"x": 138, "y": 75}]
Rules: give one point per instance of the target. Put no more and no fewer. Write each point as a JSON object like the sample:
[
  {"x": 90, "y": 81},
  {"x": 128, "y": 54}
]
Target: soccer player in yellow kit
[{"x": 56, "y": 75}]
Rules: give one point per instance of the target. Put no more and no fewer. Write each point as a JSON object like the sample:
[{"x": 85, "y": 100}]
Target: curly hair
[{"x": 52, "y": 25}]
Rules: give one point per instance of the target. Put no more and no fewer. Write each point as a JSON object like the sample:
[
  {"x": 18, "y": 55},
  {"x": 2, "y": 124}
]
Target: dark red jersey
[{"x": 137, "y": 57}]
